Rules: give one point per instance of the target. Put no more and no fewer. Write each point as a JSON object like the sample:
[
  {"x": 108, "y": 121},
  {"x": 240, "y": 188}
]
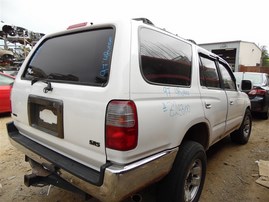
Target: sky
[{"x": 204, "y": 21}]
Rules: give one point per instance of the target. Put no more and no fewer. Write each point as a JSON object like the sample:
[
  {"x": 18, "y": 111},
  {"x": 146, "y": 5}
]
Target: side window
[
  {"x": 208, "y": 73},
  {"x": 164, "y": 59},
  {"x": 228, "y": 82}
]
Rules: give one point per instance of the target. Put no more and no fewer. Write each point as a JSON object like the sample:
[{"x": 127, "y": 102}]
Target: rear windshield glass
[
  {"x": 165, "y": 59},
  {"x": 80, "y": 58}
]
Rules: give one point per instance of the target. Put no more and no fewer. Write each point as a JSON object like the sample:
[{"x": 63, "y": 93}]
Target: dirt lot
[{"x": 231, "y": 172}]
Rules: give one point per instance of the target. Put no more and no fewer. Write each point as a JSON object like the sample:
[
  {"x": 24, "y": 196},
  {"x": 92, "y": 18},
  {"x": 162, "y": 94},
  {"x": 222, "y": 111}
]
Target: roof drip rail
[{"x": 144, "y": 20}]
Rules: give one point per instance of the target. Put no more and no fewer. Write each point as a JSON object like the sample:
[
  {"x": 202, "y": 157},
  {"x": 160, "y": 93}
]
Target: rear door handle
[
  {"x": 231, "y": 102},
  {"x": 208, "y": 106}
]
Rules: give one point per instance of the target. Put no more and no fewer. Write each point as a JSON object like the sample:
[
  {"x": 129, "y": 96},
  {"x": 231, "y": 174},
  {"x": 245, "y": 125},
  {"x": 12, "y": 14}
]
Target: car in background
[
  {"x": 6, "y": 57},
  {"x": 6, "y": 82},
  {"x": 10, "y": 70},
  {"x": 259, "y": 95}
]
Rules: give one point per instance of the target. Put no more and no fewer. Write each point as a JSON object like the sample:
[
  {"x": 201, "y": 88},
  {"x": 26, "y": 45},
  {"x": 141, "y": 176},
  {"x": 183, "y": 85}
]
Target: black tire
[
  {"x": 241, "y": 136},
  {"x": 186, "y": 178},
  {"x": 265, "y": 115}
]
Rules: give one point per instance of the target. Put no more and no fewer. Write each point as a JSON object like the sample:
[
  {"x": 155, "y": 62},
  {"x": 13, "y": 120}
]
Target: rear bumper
[
  {"x": 113, "y": 182},
  {"x": 259, "y": 104}
]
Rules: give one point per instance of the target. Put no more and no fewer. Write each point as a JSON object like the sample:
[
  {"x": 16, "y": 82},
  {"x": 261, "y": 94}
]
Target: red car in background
[{"x": 6, "y": 82}]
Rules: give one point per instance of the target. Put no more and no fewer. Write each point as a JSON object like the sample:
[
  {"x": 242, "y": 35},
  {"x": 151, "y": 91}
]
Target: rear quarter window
[
  {"x": 79, "y": 58},
  {"x": 164, "y": 59}
]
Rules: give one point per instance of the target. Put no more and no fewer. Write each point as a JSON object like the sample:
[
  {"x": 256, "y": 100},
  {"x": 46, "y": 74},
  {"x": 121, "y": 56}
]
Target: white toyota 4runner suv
[{"x": 107, "y": 109}]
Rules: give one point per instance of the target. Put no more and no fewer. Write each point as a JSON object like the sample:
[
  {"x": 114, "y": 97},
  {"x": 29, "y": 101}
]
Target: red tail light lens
[
  {"x": 257, "y": 92},
  {"x": 121, "y": 125}
]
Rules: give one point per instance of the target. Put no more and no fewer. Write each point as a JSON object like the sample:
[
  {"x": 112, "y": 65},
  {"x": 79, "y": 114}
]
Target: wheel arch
[{"x": 198, "y": 133}]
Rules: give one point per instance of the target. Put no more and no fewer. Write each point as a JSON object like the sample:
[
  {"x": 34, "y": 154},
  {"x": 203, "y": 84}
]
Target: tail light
[
  {"x": 121, "y": 125},
  {"x": 257, "y": 92}
]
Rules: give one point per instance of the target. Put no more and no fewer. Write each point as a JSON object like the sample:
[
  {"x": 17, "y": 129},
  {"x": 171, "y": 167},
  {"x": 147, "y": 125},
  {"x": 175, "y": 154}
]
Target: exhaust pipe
[{"x": 136, "y": 198}]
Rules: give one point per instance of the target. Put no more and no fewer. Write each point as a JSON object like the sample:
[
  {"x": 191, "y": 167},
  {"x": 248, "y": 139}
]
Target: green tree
[{"x": 265, "y": 56}]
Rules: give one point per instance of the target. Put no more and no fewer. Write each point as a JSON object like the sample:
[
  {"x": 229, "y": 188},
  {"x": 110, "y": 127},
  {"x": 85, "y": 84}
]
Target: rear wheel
[
  {"x": 185, "y": 181},
  {"x": 265, "y": 115},
  {"x": 241, "y": 136}
]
